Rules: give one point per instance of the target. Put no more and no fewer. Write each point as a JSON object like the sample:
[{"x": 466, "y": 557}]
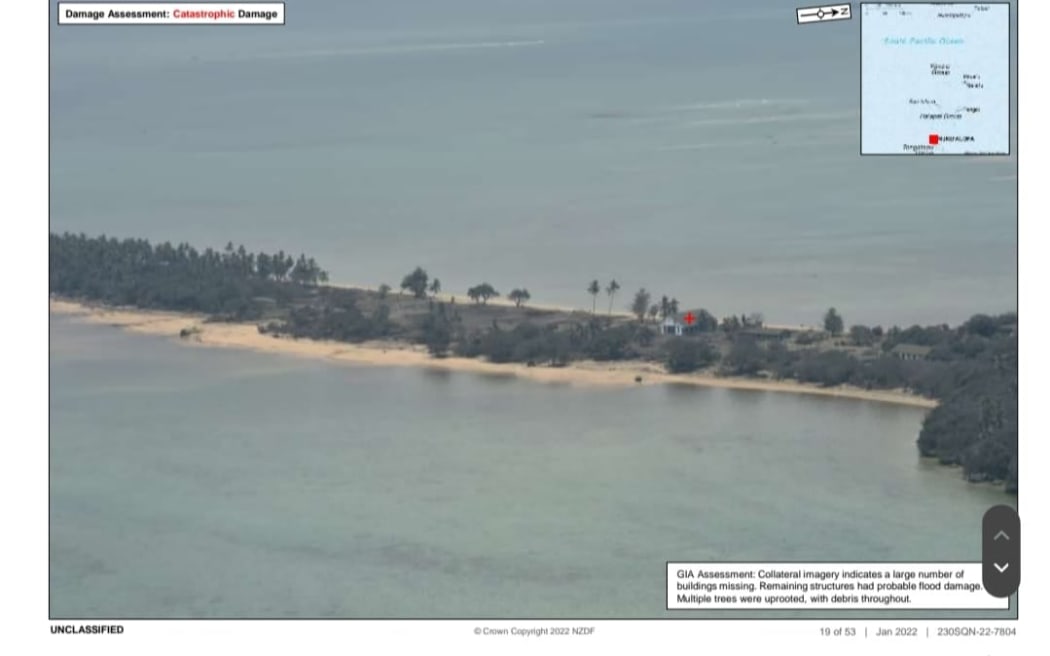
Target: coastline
[{"x": 389, "y": 353}]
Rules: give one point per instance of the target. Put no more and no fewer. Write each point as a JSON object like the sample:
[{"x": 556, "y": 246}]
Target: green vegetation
[
  {"x": 705, "y": 322},
  {"x": 668, "y": 307},
  {"x": 519, "y": 296},
  {"x": 971, "y": 369},
  {"x": 482, "y": 293},
  {"x": 686, "y": 355},
  {"x": 640, "y": 305},
  {"x": 611, "y": 290},
  {"x": 833, "y": 322},
  {"x": 416, "y": 282},
  {"x": 232, "y": 284},
  {"x": 594, "y": 289},
  {"x": 438, "y": 330}
]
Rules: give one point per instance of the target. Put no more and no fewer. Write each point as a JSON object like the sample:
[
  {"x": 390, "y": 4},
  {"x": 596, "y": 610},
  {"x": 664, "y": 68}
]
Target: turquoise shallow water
[
  {"x": 707, "y": 151},
  {"x": 192, "y": 482}
]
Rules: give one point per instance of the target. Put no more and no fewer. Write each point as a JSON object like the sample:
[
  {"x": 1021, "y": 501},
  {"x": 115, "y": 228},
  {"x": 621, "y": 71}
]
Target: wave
[
  {"x": 741, "y": 103},
  {"x": 399, "y": 50},
  {"x": 775, "y": 118},
  {"x": 832, "y": 139},
  {"x": 719, "y": 109}
]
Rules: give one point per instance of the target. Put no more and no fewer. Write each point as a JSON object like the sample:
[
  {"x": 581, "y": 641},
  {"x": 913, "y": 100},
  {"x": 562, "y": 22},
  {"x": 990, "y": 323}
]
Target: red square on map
[{"x": 935, "y": 139}]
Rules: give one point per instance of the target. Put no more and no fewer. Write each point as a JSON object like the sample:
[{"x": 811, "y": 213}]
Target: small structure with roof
[
  {"x": 910, "y": 352},
  {"x": 672, "y": 326},
  {"x": 683, "y": 323}
]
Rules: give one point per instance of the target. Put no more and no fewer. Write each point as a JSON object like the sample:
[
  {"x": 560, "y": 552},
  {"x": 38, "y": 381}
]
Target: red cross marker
[{"x": 689, "y": 318}]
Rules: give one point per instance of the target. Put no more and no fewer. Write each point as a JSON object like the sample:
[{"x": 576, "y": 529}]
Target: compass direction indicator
[{"x": 823, "y": 14}]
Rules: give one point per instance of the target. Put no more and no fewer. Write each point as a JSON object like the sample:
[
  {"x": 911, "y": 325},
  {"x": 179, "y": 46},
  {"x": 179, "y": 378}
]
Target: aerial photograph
[{"x": 491, "y": 308}]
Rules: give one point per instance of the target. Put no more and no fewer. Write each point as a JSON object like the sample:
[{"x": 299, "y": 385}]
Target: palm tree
[
  {"x": 594, "y": 289},
  {"x": 611, "y": 291}
]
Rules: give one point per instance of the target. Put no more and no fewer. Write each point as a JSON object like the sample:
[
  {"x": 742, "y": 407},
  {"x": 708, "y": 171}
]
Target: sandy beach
[{"x": 401, "y": 354}]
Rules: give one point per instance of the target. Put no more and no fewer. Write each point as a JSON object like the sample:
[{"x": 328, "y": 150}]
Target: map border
[{"x": 1011, "y": 42}]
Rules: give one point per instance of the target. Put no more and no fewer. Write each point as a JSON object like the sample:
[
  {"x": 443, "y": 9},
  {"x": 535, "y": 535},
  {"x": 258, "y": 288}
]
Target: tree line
[
  {"x": 417, "y": 284},
  {"x": 971, "y": 368},
  {"x": 232, "y": 282}
]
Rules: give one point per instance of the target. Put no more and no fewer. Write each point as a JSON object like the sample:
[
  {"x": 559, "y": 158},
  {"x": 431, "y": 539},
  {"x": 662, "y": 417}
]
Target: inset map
[{"x": 935, "y": 79}]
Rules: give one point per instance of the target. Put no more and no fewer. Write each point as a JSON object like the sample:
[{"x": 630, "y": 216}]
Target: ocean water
[
  {"x": 195, "y": 482},
  {"x": 703, "y": 150}
]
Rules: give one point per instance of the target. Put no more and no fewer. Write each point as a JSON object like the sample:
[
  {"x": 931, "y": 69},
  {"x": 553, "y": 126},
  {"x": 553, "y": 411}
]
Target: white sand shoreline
[{"x": 395, "y": 353}]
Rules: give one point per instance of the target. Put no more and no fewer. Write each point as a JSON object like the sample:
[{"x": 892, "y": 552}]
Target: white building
[{"x": 672, "y": 326}]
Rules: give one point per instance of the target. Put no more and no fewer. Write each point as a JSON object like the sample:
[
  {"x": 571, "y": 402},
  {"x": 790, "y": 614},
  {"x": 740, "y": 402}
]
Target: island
[{"x": 966, "y": 375}]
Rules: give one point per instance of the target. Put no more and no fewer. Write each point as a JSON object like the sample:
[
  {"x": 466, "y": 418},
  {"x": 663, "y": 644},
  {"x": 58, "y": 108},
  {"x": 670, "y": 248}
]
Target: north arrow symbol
[
  {"x": 1000, "y": 534},
  {"x": 1001, "y": 569},
  {"x": 834, "y": 12}
]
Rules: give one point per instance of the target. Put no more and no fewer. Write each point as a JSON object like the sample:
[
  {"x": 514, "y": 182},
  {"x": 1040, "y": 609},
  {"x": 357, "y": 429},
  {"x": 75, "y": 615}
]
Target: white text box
[
  {"x": 170, "y": 13},
  {"x": 823, "y": 586}
]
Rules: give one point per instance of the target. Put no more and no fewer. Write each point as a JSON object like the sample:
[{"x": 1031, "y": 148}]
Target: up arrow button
[{"x": 1001, "y": 534}]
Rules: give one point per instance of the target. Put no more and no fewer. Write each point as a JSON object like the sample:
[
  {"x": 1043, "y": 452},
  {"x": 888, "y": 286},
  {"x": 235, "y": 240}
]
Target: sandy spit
[{"x": 394, "y": 353}]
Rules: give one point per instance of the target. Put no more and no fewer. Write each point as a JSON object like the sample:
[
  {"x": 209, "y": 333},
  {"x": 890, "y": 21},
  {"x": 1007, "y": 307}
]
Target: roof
[
  {"x": 911, "y": 349},
  {"x": 680, "y": 317}
]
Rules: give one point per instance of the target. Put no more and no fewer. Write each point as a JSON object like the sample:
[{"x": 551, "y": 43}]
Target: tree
[
  {"x": 862, "y": 335},
  {"x": 384, "y": 289},
  {"x": 314, "y": 273},
  {"x": 746, "y": 358},
  {"x": 654, "y": 311},
  {"x": 611, "y": 290},
  {"x": 833, "y": 322},
  {"x": 437, "y": 331},
  {"x": 281, "y": 265},
  {"x": 685, "y": 355},
  {"x": 305, "y": 271},
  {"x": 705, "y": 321},
  {"x": 731, "y": 323},
  {"x": 981, "y": 324},
  {"x": 673, "y": 306},
  {"x": 435, "y": 287},
  {"x": 519, "y": 296},
  {"x": 482, "y": 293},
  {"x": 301, "y": 270},
  {"x": 665, "y": 307},
  {"x": 263, "y": 266},
  {"x": 755, "y": 320},
  {"x": 641, "y": 303},
  {"x": 416, "y": 282},
  {"x": 594, "y": 289}
]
